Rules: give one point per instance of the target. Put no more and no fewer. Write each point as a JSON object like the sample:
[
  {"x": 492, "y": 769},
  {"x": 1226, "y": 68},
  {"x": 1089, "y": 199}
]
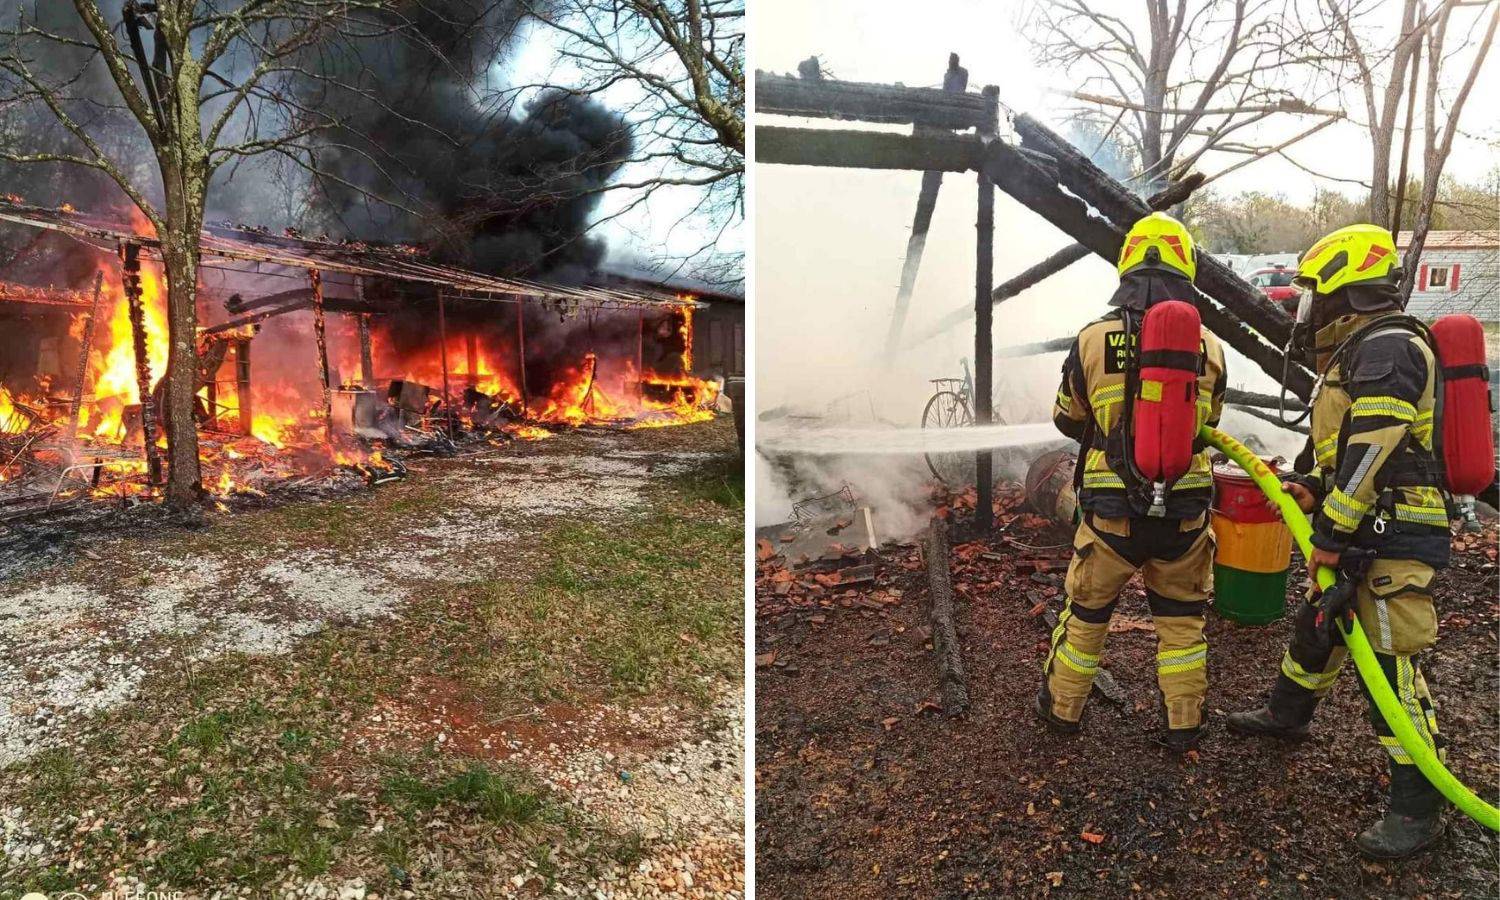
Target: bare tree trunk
[{"x": 184, "y": 190}]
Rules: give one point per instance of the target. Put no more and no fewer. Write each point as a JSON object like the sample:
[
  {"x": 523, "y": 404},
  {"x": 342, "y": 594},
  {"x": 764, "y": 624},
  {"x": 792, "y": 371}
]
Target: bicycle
[{"x": 951, "y": 406}]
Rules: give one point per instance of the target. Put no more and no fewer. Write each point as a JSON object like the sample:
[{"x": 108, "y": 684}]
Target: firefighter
[
  {"x": 1120, "y": 532},
  {"x": 1381, "y": 518}
]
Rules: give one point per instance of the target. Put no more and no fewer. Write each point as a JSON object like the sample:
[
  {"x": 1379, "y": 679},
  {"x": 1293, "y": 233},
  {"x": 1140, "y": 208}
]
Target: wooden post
[
  {"x": 640, "y": 357},
  {"x": 443, "y": 358},
  {"x": 521, "y": 354},
  {"x": 131, "y": 280},
  {"x": 242, "y": 384},
  {"x": 942, "y": 609},
  {"x": 471, "y": 354},
  {"x": 85, "y": 346},
  {"x": 316, "y": 277},
  {"x": 366, "y": 353},
  {"x": 984, "y": 310}
]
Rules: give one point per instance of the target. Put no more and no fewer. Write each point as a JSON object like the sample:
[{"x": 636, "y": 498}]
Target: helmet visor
[{"x": 1304, "y": 304}]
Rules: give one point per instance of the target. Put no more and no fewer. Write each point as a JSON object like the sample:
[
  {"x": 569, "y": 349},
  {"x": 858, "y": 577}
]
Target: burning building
[{"x": 313, "y": 354}]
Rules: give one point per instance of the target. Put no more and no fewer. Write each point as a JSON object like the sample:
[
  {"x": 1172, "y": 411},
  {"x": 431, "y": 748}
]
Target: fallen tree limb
[{"x": 942, "y": 608}]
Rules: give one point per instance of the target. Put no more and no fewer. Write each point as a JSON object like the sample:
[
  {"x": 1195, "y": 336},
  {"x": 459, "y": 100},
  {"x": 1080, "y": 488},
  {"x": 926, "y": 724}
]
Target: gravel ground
[{"x": 80, "y": 634}]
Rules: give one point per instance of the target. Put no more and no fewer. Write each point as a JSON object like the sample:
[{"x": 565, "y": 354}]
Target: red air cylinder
[
  {"x": 1468, "y": 424},
  {"x": 1165, "y": 417}
]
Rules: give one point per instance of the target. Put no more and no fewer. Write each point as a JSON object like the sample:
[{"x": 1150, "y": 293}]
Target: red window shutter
[
  {"x": 1422, "y": 278},
  {"x": 1453, "y": 278}
]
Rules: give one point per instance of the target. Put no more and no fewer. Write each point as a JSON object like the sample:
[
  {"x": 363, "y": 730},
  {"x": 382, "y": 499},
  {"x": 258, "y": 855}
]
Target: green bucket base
[{"x": 1249, "y": 598}]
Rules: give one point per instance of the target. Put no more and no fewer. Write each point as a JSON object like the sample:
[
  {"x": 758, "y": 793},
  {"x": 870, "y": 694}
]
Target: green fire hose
[{"x": 1359, "y": 645}]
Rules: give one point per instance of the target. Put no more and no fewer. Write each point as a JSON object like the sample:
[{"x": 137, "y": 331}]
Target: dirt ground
[
  {"x": 864, "y": 788},
  {"x": 516, "y": 672}
]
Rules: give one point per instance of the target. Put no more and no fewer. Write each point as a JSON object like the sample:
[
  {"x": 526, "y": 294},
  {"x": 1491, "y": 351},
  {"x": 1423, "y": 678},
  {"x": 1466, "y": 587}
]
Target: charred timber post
[
  {"x": 366, "y": 353},
  {"x": 942, "y": 612},
  {"x": 130, "y": 279},
  {"x": 316, "y": 277},
  {"x": 984, "y": 314},
  {"x": 85, "y": 346},
  {"x": 640, "y": 357},
  {"x": 521, "y": 355},
  {"x": 955, "y": 80},
  {"x": 242, "y": 385},
  {"x": 471, "y": 357},
  {"x": 443, "y": 359}
]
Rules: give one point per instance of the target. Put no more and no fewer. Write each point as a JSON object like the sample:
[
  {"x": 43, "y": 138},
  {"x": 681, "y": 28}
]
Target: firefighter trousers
[
  {"x": 1175, "y": 559},
  {"x": 1395, "y": 608}
]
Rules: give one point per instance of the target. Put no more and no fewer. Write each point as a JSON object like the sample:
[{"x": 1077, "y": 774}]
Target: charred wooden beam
[
  {"x": 1264, "y": 401},
  {"x": 1271, "y": 417},
  {"x": 1123, "y": 207},
  {"x": 1015, "y": 174},
  {"x": 1056, "y": 345},
  {"x": 863, "y": 102},
  {"x": 843, "y": 148},
  {"x": 1062, "y": 259},
  {"x": 942, "y": 611},
  {"x": 255, "y": 318},
  {"x": 237, "y": 304},
  {"x": 955, "y": 80}
]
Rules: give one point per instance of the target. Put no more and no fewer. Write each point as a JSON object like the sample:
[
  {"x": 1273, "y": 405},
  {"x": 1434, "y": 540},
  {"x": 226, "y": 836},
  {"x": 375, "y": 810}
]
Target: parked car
[{"x": 1276, "y": 284}]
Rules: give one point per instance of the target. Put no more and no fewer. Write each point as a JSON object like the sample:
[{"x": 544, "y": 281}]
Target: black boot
[
  {"x": 1264, "y": 722},
  {"x": 1398, "y": 836},
  {"x": 1181, "y": 740},
  {"x": 1043, "y": 709},
  {"x": 1413, "y": 821}
]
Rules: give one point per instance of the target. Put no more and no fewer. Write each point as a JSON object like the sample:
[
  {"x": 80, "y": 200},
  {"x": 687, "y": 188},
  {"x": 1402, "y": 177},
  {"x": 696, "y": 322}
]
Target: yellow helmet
[
  {"x": 1168, "y": 237},
  {"x": 1351, "y": 255}
]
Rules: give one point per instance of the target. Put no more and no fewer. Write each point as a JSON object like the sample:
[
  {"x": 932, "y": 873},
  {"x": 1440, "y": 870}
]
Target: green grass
[
  {"x": 719, "y": 481},
  {"x": 618, "y": 611}
]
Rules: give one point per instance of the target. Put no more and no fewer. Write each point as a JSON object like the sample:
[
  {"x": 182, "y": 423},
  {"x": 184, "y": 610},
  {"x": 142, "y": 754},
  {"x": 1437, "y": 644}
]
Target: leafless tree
[
  {"x": 1192, "y": 77},
  {"x": 676, "y": 69},
  {"x": 224, "y": 81},
  {"x": 1382, "y": 66}
]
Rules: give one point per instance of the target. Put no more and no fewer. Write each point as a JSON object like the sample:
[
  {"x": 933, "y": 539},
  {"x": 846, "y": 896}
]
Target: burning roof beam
[
  {"x": 27, "y": 295},
  {"x": 403, "y": 264}
]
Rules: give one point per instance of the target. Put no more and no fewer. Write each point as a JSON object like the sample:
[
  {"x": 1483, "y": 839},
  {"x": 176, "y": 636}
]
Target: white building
[{"x": 1459, "y": 273}]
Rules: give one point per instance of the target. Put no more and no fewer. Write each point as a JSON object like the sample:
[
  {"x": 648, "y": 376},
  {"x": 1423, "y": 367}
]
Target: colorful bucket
[{"x": 1254, "y": 550}]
